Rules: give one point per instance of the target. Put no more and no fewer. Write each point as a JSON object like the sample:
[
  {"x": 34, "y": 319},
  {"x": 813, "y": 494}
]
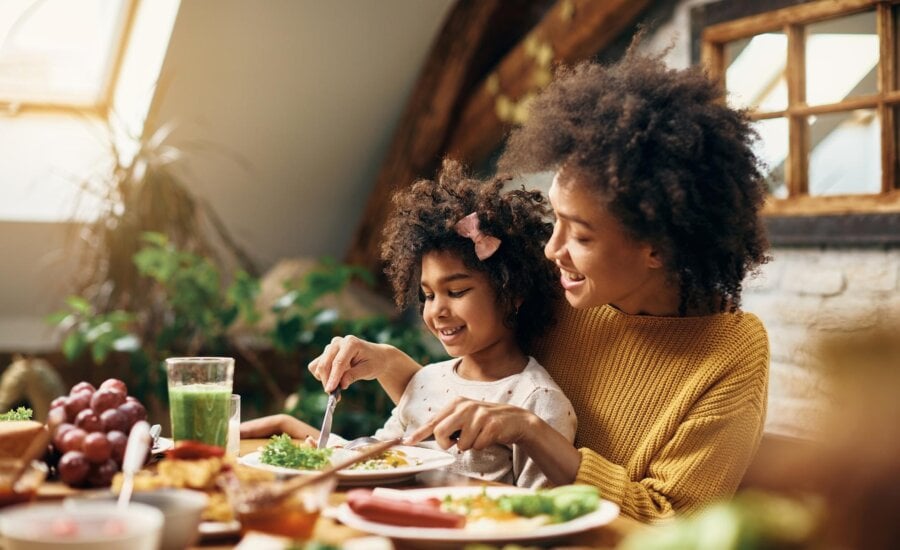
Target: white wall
[
  {"x": 309, "y": 93},
  {"x": 33, "y": 282},
  {"x": 39, "y": 156},
  {"x": 306, "y": 92}
]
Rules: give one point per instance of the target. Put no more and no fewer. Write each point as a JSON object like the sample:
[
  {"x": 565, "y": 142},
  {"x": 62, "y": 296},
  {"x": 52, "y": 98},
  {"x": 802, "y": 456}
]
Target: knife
[{"x": 333, "y": 398}]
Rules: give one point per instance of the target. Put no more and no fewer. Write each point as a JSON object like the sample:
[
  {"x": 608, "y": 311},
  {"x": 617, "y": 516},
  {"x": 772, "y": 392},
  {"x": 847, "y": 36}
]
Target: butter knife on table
[{"x": 333, "y": 398}]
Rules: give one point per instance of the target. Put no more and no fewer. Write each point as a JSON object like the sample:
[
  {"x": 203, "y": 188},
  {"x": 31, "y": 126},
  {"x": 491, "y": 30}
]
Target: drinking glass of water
[{"x": 233, "y": 447}]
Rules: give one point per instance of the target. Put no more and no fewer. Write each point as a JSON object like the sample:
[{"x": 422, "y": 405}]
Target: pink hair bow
[{"x": 485, "y": 245}]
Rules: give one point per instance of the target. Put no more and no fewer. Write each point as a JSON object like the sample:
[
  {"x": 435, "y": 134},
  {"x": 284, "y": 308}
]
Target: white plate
[
  {"x": 605, "y": 513},
  {"x": 430, "y": 459},
  {"x": 163, "y": 444}
]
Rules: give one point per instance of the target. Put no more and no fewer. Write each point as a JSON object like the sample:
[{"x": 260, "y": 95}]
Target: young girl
[{"x": 472, "y": 256}]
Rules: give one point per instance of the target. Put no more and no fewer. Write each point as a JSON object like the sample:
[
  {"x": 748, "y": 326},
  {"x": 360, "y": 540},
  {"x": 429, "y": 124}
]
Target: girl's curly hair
[
  {"x": 666, "y": 157},
  {"x": 424, "y": 221}
]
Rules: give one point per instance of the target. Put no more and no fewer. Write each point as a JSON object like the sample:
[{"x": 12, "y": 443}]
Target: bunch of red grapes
[{"x": 90, "y": 429}]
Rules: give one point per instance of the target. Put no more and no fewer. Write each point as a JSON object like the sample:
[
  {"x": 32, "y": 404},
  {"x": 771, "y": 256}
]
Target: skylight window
[
  {"x": 60, "y": 52},
  {"x": 66, "y": 68}
]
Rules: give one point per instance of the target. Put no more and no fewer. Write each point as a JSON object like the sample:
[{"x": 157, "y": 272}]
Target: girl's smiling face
[
  {"x": 460, "y": 307},
  {"x": 599, "y": 263}
]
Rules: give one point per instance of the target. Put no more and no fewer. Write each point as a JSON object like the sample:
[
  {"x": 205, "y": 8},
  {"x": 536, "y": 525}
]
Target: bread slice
[{"x": 16, "y": 435}]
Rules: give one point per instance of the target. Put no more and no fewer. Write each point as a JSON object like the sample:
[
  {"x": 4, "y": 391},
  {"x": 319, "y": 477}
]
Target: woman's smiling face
[
  {"x": 599, "y": 263},
  {"x": 460, "y": 306}
]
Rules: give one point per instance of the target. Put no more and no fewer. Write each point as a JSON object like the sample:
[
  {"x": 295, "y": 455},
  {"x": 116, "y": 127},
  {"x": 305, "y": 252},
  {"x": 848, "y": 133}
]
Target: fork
[{"x": 360, "y": 442}]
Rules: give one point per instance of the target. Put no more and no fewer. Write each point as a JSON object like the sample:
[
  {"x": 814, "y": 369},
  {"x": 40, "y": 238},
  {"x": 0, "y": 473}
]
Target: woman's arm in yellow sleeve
[{"x": 703, "y": 462}]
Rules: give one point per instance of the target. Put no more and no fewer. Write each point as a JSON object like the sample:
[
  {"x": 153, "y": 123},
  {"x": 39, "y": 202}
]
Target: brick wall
[{"x": 805, "y": 295}]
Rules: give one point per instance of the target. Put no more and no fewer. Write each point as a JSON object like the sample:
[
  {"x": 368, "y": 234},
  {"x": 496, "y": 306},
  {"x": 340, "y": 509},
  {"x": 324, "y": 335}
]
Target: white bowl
[
  {"x": 87, "y": 526},
  {"x": 181, "y": 509}
]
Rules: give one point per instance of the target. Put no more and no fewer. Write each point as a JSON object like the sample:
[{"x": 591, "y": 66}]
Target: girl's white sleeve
[{"x": 553, "y": 407}]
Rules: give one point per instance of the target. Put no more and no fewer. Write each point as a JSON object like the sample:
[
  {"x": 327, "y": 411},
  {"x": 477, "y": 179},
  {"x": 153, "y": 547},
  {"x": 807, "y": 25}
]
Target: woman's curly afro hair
[
  {"x": 424, "y": 221},
  {"x": 666, "y": 157}
]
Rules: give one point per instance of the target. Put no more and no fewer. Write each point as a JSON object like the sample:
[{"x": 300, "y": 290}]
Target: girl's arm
[
  {"x": 551, "y": 452},
  {"x": 534, "y": 461},
  {"x": 277, "y": 424},
  {"x": 348, "y": 359}
]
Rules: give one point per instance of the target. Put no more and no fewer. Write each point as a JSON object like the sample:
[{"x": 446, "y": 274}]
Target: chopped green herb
[
  {"x": 19, "y": 414},
  {"x": 281, "y": 451}
]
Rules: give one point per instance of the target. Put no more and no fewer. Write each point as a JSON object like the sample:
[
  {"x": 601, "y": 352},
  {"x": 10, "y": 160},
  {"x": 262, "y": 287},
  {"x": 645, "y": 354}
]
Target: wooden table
[{"x": 330, "y": 531}]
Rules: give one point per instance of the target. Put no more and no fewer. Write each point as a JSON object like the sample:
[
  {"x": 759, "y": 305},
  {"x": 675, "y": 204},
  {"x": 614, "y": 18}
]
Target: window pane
[
  {"x": 841, "y": 58},
  {"x": 755, "y": 76},
  {"x": 772, "y": 150},
  {"x": 845, "y": 153},
  {"x": 58, "y": 51}
]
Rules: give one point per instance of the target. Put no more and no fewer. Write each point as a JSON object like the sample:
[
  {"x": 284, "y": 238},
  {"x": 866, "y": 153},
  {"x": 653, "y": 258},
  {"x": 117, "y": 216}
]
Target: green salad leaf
[
  {"x": 281, "y": 451},
  {"x": 21, "y": 413}
]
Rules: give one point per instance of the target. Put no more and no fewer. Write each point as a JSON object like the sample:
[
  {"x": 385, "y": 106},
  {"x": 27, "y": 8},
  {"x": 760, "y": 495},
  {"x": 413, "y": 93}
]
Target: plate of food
[
  {"x": 477, "y": 514},
  {"x": 282, "y": 456}
]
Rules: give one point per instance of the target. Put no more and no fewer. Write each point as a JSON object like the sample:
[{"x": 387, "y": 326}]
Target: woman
[{"x": 657, "y": 196}]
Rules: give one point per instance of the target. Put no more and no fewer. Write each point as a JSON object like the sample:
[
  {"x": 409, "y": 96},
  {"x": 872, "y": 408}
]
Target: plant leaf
[{"x": 78, "y": 304}]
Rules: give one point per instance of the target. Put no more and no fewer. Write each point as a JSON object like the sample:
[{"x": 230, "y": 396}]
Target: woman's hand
[
  {"x": 481, "y": 425},
  {"x": 348, "y": 359}
]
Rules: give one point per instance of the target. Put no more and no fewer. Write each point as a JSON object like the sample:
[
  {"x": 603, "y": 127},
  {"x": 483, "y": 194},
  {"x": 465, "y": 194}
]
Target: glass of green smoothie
[{"x": 200, "y": 398}]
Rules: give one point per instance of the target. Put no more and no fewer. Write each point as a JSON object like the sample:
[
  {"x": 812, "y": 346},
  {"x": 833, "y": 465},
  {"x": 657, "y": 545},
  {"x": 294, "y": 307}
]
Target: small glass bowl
[
  {"x": 85, "y": 526},
  {"x": 294, "y": 516},
  {"x": 25, "y": 489}
]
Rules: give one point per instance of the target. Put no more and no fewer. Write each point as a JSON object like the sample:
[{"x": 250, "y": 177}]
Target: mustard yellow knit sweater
[{"x": 670, "y": 410}]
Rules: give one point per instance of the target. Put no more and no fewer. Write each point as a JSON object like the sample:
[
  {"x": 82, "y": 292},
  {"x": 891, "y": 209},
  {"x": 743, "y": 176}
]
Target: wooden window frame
[
  {"x": 103, "y": 106},
  {"x": 800, "y": 219}
]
